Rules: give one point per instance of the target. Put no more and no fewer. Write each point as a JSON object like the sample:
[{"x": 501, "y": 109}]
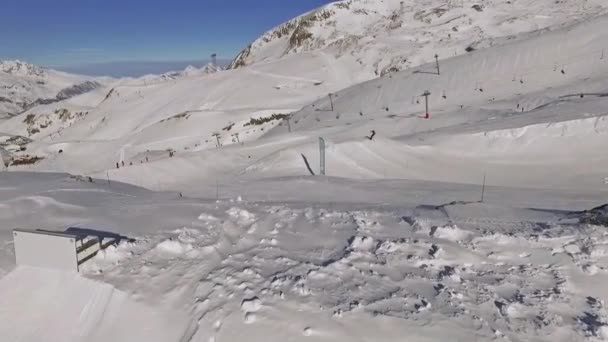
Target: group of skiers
[{"x": 118, "y": 165}]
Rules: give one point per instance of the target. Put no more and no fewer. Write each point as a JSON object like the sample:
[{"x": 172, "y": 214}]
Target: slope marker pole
[{"x": 437, "y": 63}]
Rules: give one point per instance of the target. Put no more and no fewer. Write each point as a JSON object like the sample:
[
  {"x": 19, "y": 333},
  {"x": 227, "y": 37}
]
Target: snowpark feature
[
  {"x": 65, "y": 251},
  {"x": 474, "y": 224}
]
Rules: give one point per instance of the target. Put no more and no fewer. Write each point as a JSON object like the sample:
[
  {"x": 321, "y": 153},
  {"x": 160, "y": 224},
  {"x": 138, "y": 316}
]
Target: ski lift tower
[
  {"x": 426, "y": 102},
  {"x": 214, "y": 61}
]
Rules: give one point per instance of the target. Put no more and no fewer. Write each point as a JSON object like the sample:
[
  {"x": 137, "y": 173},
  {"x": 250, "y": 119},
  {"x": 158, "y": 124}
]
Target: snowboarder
[{"x": 117, "y": 166}]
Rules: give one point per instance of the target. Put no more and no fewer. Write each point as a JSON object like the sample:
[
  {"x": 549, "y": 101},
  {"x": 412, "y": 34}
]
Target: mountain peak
[
  {"x": 20, "y": 68},
  {"x": 377, "y": 37}
]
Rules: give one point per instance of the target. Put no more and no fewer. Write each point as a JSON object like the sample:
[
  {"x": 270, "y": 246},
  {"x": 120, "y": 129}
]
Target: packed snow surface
[{"x": 235, "y": 269}]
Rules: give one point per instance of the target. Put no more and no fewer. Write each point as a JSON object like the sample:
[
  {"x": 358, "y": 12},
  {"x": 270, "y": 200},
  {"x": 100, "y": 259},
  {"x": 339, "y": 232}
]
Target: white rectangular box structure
[
  {"x": 64, "y": 251},
  {"x": 46, "y": 249}
]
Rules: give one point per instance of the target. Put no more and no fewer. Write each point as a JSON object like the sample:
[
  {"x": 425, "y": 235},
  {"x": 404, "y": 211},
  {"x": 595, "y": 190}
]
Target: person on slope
[{"x": 372, "y": 135}]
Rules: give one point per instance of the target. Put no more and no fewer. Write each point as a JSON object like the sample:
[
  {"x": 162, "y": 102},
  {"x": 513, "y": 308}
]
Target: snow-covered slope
[
  {"x": 533, "y": 80},
  {"x": 147, "y": 117},
  {"x": 555, "y": 79},
  {"x": 523, "y": 86},
  {"x": 23, "y": 86},
  {"x": 234, "y": 270},
  {"x": 90, "y": 311},
  {"x": 475, "y": 224},
  {"x": 373, "y": 37}
]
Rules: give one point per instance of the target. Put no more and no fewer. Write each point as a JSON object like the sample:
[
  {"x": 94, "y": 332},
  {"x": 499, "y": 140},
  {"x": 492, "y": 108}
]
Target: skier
[{"x": 371, "y": 137}]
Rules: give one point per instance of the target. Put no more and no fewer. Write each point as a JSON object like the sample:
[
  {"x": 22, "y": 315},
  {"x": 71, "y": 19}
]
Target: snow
[
  {"x": 251, "y": 305},
  {"x": 88, "y": 310},
  {"x": 23, "y": 85},
  {"x": 230, "y": 238},
  {"x": 373, "y": 37},
  {"x": 335, "y": 269}
]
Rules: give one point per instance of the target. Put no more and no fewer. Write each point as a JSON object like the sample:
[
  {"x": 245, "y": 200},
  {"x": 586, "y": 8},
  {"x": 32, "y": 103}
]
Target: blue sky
[{"x": 75, "y": 32}]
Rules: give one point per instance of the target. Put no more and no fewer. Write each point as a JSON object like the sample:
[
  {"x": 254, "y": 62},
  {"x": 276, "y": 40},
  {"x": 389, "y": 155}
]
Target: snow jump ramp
[
  {"x": 45, "y": 298},
  {"x": 60, "y": 250}
]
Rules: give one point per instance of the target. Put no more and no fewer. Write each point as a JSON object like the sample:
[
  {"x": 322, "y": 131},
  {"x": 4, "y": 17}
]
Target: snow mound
[
  {"x": 251, "y": 305},
  {"x": 451, "y": 233},
  {"x": 363, "y": 243},
  {"x": 174, "y": 247}
]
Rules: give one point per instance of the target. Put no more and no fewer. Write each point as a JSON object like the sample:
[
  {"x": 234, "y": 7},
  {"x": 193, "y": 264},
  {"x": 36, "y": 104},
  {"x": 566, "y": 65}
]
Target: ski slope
[
  {"x": 475, "y": 224},
  {"x": 192, "y": 113},
  {"x": 517, "y": 87}
]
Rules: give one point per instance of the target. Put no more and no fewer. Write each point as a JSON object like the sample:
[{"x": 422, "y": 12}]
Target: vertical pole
[
  {"x": 331, "y": 101},
  {"x": 214, "y": 60},
  {"x": 437, "y": 62},
  {"x": 322, "y": 156},
  {"x": 426, "y": 104},
  {"x": 483, "y": 187},
  {"x": 108, "y": 176},
  {"x": 289, "y": 124}
]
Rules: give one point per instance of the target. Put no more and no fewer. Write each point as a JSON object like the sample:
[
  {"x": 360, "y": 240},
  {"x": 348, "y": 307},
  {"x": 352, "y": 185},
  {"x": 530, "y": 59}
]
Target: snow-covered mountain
[
  {"x": 24, "y": 85},
  {"x": 475, "y": 222},
  {"x": 194, "y": 112},
  {"x": 19, "y": 68},
  {"x": 189, "y": 71},
  {"x": 374, "y": 37}
]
